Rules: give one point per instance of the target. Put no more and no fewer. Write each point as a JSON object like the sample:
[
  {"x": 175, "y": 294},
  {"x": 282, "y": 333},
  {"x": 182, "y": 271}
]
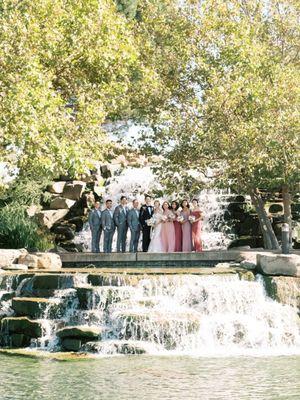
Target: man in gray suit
[
  {"x": 134, "y": 226},
  {"x": 95, "y": 226},
  {"x": 108, "y": 226},
  {"x": 120, "y": 218}
]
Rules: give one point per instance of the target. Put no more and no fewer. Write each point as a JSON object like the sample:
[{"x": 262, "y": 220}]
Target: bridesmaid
[
  {"x": 167, "y": 229},
  {"x": 186, "y": 226},
  {"x": 177, "y": 226},
  {"x": 196, "y": 226}
]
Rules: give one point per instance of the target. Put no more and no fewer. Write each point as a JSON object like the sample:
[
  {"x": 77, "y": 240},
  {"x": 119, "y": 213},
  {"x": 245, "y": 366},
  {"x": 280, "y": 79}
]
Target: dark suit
[
  {"x": 146, "y": 212},
  {"x": 120, "y": 219},
  {"x": 135, "y": 228},
  {"x": 108, "y": 226},
  {"x": 96, "y": 229}
]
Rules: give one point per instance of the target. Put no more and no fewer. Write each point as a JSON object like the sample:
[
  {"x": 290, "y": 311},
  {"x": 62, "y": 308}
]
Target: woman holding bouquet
[
  {"x": 196, "y": 218},
  {"x": 177, "y": 226},
  {"x": 156, "y": 223},
  {"x": 168, "y": 230},
  {"x": 186, "y": 226}
]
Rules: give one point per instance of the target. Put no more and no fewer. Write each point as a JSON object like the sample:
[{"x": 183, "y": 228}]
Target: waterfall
[
  {"x": 135, "y": 182},
  {"x": 217, "y": 315}
]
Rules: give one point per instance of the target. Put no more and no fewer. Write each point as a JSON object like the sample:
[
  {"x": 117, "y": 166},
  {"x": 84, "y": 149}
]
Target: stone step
[
  {"x": 73, "y": 337},
  {"x": 33, "y": 307},
  {"x": 22, "y": 325},
  {"x": 50, "y": 281}
]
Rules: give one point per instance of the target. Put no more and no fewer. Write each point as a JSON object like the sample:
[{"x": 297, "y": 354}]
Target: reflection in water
[{"x": 151, "y": 378}]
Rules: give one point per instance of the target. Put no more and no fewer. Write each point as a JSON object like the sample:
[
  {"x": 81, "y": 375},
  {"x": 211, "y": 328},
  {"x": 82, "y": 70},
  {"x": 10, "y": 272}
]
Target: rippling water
[{"x": 151, "y": 378}]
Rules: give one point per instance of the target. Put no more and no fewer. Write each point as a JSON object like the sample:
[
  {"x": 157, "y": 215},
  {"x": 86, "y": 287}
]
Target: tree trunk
[
  {"x": 287, "y": 209},
  {"x": 269, "y": 237}
]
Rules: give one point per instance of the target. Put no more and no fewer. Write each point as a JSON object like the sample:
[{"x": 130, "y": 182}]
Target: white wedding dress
[{"x": 156, "y": 242}]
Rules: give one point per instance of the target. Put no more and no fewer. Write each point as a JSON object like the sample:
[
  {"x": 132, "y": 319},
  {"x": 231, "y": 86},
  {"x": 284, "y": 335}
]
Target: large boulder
[
  {"x": 31, "y": 307},
  {"x": 10, "y": 256},
  {"x": 285, "y": 289},
  {"x": 56, "y": 187},
  {"x": 49, "y": 261},
  {"x": 49, "y": 217},
  {"x": 74, "y": 190},
  {"x": 61, "y": 203},
  {"x": 279, "y": 264}
]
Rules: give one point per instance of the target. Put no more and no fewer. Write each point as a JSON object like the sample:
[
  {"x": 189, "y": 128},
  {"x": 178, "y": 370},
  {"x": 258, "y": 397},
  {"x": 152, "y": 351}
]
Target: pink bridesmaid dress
[
  {"x": 186, "y": 232},
  {"x": 196, "y": 232},
  {"x": 168, "y": 235},
  {"x": 178, "y": 236}
]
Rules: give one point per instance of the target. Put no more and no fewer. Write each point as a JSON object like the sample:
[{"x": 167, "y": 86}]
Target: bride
[{"x": 156, "y": 242}]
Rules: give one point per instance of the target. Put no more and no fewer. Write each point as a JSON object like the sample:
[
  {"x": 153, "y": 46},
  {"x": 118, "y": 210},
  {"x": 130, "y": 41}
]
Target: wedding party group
[{"x": 166, "y": 228}]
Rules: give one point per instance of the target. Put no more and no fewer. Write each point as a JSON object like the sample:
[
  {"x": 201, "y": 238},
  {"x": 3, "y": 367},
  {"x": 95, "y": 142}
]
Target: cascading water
[
  {"x": 218, "y": 315},
  {"x": 135, "y": 182}
]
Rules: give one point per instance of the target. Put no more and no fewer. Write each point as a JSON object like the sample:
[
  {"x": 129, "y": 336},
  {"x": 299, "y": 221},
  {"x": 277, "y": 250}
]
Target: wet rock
[
  {"x": 56, "y": 187},
  {"x": 248, "y": 265},
  {"x": 65, "y": 231},
  {"x": 49, "y": 217},
  {"x": 81, "y": 332},
  {"x": 74, "y": 190},
  {"x": 246, "y": 276},
  {"x": 284, "y": 289},
  {"x": 21, "y": 325},
  {"x": 16, "y": 267},
  {"x": 275, "y": 208},
  {"x": 10, "y": 256},
  {"x": 78, "y": 222},
  {"x": 50, "y": 261},
  {"x": 31, "y": 307},
  {"x": 71, "y": 344},
  {"x": 18, "y": 340},
  {"x": 52, "y": 281},
  {"x": 6, "y": 296},
  {"x": 116, "y": 347},
  {"x": 279, "y": 264},
  {"x": 61, "y": 203},
  {"x": 84, "y": 294}
]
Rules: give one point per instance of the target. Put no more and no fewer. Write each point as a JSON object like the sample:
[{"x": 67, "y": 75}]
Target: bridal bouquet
[
  {"x": 171, "y": 217},
  {"x": 164, "y": 218},
  {"x": 192, "y": 218},
  {"x": 150, "y": 222},
  {"x": 180, "y": 218}
]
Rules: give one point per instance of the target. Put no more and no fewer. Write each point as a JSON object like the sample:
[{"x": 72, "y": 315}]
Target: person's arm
[
  {"x": 103, "y": 220},
  {"x": 117, "y": 215},
  {"x": 129, "y": 219},
  {"x": 142, "y": 219},
  {"x": 91, "y": 219}
]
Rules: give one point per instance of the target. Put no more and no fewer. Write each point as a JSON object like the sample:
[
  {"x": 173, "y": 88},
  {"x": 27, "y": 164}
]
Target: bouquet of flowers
[
  {"x": 180, "y": 218},
  {"x": 164, "y": 218},
  {"x": 171, "y": 217},
  {"x": 192, "y": 218},
  {"x": 150, "y": 222}
]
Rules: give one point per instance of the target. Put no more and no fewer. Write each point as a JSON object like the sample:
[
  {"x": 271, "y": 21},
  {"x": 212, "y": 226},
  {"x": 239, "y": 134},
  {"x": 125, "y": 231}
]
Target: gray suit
[
  {"x": 108, "y": 226},
  {"x": 135, "y": 229},
  {"x": 120, "y": 218},
  {"x": 96, "y": 229}
]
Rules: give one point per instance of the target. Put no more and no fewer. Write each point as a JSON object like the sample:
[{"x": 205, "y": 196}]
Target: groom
[{"x": 146, "y": 212}]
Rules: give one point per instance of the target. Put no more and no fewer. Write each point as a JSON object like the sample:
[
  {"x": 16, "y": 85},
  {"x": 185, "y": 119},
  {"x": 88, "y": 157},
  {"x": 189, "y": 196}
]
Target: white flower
[
  {"x": 192, "y": 218},
  {"x": 180, "y": 218}
]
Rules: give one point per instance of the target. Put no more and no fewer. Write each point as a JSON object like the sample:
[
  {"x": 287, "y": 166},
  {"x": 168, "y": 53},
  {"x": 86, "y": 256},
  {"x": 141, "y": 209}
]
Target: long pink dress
[
  {"x": 196, "y": 232},
  {"x": 186, "y": 232},
  {"x": 178, "y": 235},
  {"x": 168, "y": 235}
]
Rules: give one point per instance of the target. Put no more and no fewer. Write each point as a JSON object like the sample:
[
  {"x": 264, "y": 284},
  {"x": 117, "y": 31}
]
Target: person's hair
[
  {"x": 108, "y": 200},
  {"x": 166, "y": 202},
  {"x": 123, "y": 197},
  {"x": 195, "y": 200},
  {"x": 188, "y": 206},
  {"x": 177, "y": 204},
  {"x": 147, "y": 195},
  {"x": 97, "y": 202}
]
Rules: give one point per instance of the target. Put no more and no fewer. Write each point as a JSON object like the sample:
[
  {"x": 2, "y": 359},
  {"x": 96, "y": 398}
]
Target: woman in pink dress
[
  {"x": 177, "y": 227},
  {"x": 186, "y": 227},
  {"x": 196, "y": 226},
  {"x": 167, "y": 229}
]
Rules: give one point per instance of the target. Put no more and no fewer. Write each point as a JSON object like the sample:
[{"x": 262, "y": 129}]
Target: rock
[
  {"x": 117, "y": 347},
  {"x": 284, "y": 289},
  {"x": 16, "y": 267},
  {"x": 275, "y": 208},
  {"x": 246, "y": 276},
  {"x": 56, "y": 187},
  {"x": 64, "y": 230},
  {"x": 30, "y": 260},
  {"x": 248, "y": 265},
  {"x": 21, "y": 325},
  {"x": 49, "y": 217},
  {"x": 19, "y": 340},
  {"x": 49, "y": 261},
  {"x": 31, "y": 307},
  {"x": 52, "y": 281},
  {"x": 10, "y": 256},
  {"x": 81, "y": 332},
  {"x": 279, "y": 264},
  {"x": 61, "y": 203},
  {"x": 78, "y": 222},
  {"x": 84, "y": 294},
  {"x": 71, "y": 344},
  {"x": 74, "y": 190},
  {"x": 223, "y": 265},
  {"x": 32, "y": 210},
  {"x": 6, "y": 296}
]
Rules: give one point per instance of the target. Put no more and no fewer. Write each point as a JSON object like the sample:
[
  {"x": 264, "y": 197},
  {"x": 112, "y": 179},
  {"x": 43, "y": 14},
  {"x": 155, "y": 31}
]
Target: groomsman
[
  {"x": 134, "y": 226},
  {"x": 120, "y": 219},
  {"x": 95, "y": 226},
  {"x": 146, "y": 212},
  {"x": 108, "y": 226}
]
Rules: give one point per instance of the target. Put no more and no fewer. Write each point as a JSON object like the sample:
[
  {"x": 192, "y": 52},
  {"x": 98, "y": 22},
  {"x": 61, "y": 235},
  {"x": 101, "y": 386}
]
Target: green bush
[{"x": 18, "y": 230}]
